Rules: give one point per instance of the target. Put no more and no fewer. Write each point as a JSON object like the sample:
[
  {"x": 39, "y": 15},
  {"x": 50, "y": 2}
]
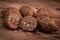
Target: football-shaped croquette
[
  {"x": 26, "y": 11},
  {"x": 47, "y": 24},
  {"x": 28, "y": 23},
  {"x": 11, "y": 17}
]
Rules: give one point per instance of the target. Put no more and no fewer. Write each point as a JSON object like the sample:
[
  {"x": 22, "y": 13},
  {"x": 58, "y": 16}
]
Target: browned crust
[
  {"x": 28, "y": 23},
  {"x": 26, "y": 11},
  {"x": 47, "y": 24},
  {"x": 13, "y": 15}
]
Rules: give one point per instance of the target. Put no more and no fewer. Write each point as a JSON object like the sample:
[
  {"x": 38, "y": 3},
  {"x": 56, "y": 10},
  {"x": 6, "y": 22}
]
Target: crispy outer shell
[
  {"x": 47, "y": 24},
  {"x": 12, "y": 17},
  {"x": 28, "y": 23},
  {"x": 26, "y": 11}
]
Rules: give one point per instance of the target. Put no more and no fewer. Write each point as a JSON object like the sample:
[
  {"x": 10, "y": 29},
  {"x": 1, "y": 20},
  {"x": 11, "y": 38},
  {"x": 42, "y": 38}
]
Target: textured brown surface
[
  {"x": 47, "y": 24},
  {"x": 26, "y": 11},
  {"x": 28, "y": 23},
  {"x": 46, "y": 11},
  {"x": 11, "y": 17},
  {"x": 1, "y": 16}
]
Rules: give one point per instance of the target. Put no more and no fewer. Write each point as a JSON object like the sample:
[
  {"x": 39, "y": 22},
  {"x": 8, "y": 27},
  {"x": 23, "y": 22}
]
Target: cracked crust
[
  {"x": 28, "y": 23},
  {"x": 12, "y": 17},
  {"x": 47, "y": 24}
]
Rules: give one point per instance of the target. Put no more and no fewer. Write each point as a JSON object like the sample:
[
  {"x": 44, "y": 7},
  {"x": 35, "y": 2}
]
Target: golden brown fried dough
[
  {"x": 47, "y": 24},
  {"x": 12, "y": 17},
  {"x": 28, "y": 23},
  {"x": 46, "y": 11},
  {"x": 26, "y": 11}
]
